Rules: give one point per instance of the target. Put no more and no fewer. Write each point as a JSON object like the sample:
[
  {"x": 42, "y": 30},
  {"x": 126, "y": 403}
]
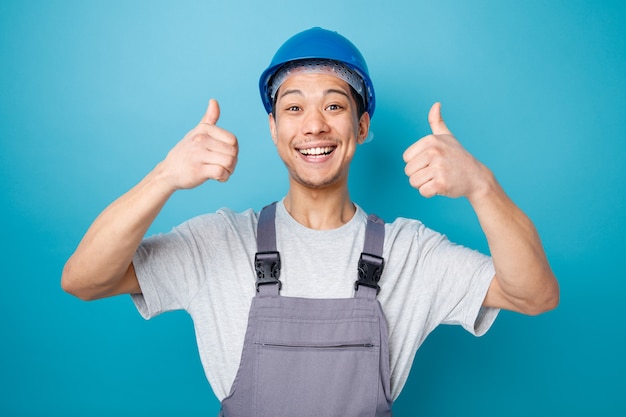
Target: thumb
[
  {"x": 437, "y": 125},
  {"x": 212, "y": 113}
]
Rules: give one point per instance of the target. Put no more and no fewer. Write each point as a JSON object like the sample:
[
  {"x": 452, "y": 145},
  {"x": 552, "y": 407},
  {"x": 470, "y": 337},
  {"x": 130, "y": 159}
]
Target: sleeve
[
  {"x": 169, "y": 269},
  {"x": 460, "y": 278}
]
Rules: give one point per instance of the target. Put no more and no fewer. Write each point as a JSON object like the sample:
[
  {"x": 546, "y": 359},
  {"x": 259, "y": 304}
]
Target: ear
[
  {"x": 272, "y": 123},
  {"x": 364, "y": 127}
]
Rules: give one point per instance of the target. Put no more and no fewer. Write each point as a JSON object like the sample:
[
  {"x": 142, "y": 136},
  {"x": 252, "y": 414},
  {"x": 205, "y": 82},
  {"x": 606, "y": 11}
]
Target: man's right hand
[{"x": 206, "y": 152}]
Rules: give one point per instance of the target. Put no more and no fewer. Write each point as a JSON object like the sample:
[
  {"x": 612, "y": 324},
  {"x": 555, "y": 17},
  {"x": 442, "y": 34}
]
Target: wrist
[
  {"x": 160, "y": 181},
  {"x": 485, "y": 188}
]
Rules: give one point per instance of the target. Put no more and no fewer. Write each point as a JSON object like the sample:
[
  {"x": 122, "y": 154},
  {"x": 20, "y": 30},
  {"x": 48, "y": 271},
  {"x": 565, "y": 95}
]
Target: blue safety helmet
[{"x": 318, "y": 43}]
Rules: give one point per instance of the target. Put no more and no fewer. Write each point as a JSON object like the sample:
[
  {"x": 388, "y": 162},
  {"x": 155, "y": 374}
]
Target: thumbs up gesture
[
  {"x": 206, "y": 152},
  {"x": 437, "y": 164}
]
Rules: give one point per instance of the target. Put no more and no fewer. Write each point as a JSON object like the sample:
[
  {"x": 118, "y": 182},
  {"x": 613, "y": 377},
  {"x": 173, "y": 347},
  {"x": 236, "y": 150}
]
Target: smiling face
[{"x": 316, "y": 129}]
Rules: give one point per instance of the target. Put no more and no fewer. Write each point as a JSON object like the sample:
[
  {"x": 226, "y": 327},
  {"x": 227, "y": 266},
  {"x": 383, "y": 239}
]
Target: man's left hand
[{"x": 437, "y": 164}]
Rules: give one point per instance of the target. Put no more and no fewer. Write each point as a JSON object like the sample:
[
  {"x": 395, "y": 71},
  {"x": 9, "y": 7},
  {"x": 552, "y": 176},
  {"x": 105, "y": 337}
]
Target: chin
[{"x": 319, "y": 183}]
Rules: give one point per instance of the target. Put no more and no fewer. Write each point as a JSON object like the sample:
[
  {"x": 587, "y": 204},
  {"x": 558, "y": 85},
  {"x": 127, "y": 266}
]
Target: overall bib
[{"x": 313, "y": 357}]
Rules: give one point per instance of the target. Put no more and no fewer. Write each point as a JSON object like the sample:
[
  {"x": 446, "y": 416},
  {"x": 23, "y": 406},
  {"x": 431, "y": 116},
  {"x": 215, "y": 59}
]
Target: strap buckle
[
  {"x": 267, "y": 266},
  {"x": 370, "y": 271}
]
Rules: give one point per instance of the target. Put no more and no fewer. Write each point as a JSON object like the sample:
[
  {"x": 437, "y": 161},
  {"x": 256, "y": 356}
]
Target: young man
[{"x": 305, "y": 339}]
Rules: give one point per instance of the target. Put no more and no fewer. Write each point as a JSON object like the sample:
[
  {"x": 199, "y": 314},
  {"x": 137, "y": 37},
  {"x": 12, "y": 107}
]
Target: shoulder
[
  {"x": 222, "y": 218},
  {"x": 208, "y": 229},
  {"x": 410, "y": 240},
  {"x": 404, "y": 228}
]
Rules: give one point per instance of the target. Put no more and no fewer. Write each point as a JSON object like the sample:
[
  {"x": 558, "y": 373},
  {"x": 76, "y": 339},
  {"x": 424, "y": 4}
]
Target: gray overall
[{"x": 313, "y": 357}]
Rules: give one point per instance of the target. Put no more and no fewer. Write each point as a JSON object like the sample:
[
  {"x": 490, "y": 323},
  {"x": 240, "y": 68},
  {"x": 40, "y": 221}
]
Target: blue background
[{"x": 94, "y": 94}]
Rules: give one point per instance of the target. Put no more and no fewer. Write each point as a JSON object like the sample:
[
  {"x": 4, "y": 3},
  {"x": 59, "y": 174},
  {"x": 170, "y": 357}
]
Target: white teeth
[{"x": 316, "y": 151}]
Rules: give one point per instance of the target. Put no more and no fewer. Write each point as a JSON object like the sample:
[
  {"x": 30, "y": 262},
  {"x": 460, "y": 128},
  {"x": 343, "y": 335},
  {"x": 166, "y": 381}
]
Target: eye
[
  {"x": 334, "y": 107},
  {"x": 293, "y": 108}
]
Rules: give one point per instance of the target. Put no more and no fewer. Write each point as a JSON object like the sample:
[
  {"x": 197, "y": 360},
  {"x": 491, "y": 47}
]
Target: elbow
[
  {"x": 548, "y": 300},
  {"x": 67, "y": 283},
  {"x": 540, "y": 297},
  {"x": 554, "y": 300},
  {"x": 539, "y": 308},
  {"x": 71, "y": 283}
]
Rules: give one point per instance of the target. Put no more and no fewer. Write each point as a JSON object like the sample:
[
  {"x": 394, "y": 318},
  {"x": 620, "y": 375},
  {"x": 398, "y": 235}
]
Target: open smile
[{"x": 317, "y": 152}]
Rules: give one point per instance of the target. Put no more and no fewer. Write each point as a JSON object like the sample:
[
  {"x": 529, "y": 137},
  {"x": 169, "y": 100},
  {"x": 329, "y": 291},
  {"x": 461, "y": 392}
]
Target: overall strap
[
  {"x": 267, "y": 258},
  {"x": 266, "y": 229},
  {"x": 374, "y": 236},
  {"x": 371, "y": 263}
]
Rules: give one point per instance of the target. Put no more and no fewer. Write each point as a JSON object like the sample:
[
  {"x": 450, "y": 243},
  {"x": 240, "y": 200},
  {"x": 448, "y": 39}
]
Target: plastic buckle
[
  {"x": 370, "y": 271},
  {"x": 267, "y": 266}
]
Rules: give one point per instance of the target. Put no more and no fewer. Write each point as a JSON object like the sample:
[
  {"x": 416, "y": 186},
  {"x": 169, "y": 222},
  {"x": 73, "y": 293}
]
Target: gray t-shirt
[{"x": 206, "y": 267}]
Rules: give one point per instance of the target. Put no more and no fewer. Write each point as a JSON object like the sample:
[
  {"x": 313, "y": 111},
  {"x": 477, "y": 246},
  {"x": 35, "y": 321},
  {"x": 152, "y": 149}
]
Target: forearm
[
  {"x": 524, "y": 281},
  {"x": 102, "y": 263},
  {"x": 437, "y": 164},
  {"x": 105, "y": 253}
]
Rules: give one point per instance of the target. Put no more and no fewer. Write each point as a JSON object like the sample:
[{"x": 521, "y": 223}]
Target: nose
[{"x": 314, "y": 123}]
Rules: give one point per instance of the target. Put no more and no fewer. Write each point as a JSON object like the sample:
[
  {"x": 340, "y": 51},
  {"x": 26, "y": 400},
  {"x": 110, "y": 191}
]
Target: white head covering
[{"x": 317, "y": 66}]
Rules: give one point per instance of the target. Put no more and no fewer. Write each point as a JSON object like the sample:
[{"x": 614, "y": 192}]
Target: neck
[{"x": 320, "y": 209}]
